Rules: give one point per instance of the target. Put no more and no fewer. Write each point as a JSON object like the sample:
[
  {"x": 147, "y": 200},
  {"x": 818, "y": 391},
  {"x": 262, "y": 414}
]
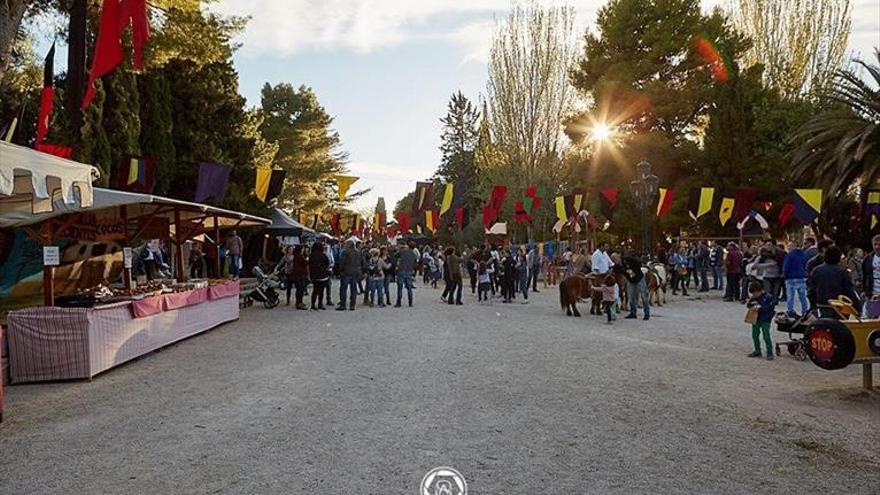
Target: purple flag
[{"x": 212, "y": 181}]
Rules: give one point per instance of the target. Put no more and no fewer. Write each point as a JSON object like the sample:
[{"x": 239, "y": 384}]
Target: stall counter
[{"x": 52, "y": 343}]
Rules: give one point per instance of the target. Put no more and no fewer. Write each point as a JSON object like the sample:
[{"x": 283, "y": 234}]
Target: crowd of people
[{"x": 761, "y": 275}]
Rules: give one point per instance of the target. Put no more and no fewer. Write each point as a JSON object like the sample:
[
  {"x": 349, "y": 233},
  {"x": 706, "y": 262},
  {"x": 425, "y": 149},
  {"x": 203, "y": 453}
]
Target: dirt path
[{"x": 518, "y": 398}]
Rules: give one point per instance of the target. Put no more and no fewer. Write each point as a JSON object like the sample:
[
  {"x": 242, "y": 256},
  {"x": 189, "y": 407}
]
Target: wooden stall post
[
  {"x": 48, "y": 271},
  {"x": 181, "y": 277},
  {"x": 217, "y": 272}
]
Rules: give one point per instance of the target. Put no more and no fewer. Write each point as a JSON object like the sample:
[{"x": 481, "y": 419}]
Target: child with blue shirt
[{"x": 764, "y": 305}]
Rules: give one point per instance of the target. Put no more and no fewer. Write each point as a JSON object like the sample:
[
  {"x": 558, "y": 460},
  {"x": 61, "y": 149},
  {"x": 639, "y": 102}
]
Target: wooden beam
[{"x": 48, "y": 271}]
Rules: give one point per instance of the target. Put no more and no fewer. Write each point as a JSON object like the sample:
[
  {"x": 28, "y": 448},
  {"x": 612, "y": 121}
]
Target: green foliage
[
  {"x": 646, "y": 78},
  {"x": 840, "y": 146},
  {"x": 308, "y": 147},
  {"x": 157, "y": 127},
  {"x": 208, "y": 119},
  {"x": 189, "y": 31},
  {"x": 95, "y": 145},
  {"x": 121, "y": 119},
  {"x": 458, "y": 142}
]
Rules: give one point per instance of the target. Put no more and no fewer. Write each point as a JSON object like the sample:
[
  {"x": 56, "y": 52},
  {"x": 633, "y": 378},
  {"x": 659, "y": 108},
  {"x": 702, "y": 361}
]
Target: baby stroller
[
  {"x": 794, "y": 324},
  {"x": 266, "y": 290}
]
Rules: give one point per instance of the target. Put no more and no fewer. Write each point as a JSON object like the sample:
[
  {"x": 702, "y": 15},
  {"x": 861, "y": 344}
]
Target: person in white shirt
[{"x": 601, "y": 262}]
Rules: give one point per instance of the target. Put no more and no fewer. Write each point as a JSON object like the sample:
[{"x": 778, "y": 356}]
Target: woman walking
[
  {"x": 319, "y": 272},
  {"x": 296, "y": 266}
]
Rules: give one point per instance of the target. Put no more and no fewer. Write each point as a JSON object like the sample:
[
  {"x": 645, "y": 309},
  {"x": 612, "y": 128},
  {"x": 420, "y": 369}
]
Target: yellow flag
[
  {"x": 812, "y": 197},
  {"x": 133, "y": 165},
  {"x": 560, "y": 208},
  {"x": 262, "y": 185},
  {"x": 448, "y": 194},
  {"x": 726, "y": 210},
  {"x": 578, "y": 199},
  {"x": 706, "y": 196},
  {"x": 343, "y": 182}
]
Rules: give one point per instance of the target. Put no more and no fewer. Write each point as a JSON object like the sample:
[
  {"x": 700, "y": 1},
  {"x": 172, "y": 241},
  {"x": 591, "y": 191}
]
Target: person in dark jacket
[
  {"x": 794, "y": 271},
  {"x": 830, "y": 281},
  {"x": 733, "y": 267},
  {"x": 319, "y": 272},
  {"x": 761, "y": 300},
  {"x": 351, "y": 270},
  {"x": 636, "y": 287},
  {"x": 871, "y": 270},
  {"x": 817, "y": 259},
  {"x": 701, "y": 265},
  {"x": 406, "y": 267},
  {"x": 297, "y": 268}
]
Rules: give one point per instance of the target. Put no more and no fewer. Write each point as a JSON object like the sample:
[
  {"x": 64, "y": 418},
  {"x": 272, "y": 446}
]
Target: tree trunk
[{"x": 11, "y": 14}]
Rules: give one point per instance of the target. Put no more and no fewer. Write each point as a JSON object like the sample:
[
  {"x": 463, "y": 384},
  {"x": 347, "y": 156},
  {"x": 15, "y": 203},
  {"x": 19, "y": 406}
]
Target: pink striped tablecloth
[{"x": 49, "y": 343}]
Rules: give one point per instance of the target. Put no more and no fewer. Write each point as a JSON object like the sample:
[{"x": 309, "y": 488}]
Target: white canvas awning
[
  {"x": 499, "y": 228},
  {"x": 37, "y": 178},
  {"x": 17, "y": 214}
]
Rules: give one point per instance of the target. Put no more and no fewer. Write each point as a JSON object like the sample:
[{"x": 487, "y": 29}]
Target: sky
[{"x": 385, "y": 69}]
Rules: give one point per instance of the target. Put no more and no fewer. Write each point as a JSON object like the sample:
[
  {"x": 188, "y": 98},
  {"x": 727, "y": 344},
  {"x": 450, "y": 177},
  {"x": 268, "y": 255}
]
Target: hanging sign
[
  {"x": 51, "y": 256},
  {"x": 127, "y": 257}
]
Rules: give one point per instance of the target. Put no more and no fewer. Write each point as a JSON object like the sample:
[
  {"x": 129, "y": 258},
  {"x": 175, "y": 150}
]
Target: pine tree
[
  {"x": 157, "y": 127},
  {"x": 458, "y": 141},
  {"x": 121, "y": 119},
  {"x": 308, "y": 147}
]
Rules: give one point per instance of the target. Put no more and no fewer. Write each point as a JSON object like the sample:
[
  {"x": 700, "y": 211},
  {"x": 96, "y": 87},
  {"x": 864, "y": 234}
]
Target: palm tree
[{"x": 840, "y": 146}]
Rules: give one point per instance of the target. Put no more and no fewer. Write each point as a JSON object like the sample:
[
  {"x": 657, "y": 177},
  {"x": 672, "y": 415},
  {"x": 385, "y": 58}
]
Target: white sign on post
[
  {"x": 51, "y": 256},
  {"x": 126, "y": 257}
]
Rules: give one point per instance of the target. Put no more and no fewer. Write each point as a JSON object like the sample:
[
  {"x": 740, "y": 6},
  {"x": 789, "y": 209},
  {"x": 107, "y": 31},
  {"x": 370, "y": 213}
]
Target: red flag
[
  {"x": 520, "y": 214},
  {"x": 116, "y": 15},
  {"x": 140, "y": 29},
  {"x": 532, "y": 191},
  {"x": 496, "y": 200},
  {"x": 461, "y": 217},
  {"x": 744, "y": 198},
  {"x": 108, "y": 47},
  {"x": 334, "y": 223},
  {"x": 665, "y": 202},
  {"x": 54, "y": 149},
  {"x": 608, "y": 201},
  {"x": 786, "y": 213},
  {"x": 403, "y": 222},
  {"x": 47, "y": 96},
  {"x": 489, "y": 216},
  {"x": 536, "y": 202}
]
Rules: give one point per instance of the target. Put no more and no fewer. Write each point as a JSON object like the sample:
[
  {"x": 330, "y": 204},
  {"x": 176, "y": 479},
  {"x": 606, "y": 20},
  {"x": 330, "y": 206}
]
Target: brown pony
[{"x": 571, "y": 289}]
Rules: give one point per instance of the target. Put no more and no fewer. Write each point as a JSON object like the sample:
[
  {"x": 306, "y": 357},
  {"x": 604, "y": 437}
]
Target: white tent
[{"x": 30, "y": 181}]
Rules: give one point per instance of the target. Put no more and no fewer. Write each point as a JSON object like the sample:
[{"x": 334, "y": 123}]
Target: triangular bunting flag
[
  {"x": 664, "y": 203},
  {"x": 725, "y": 212},
  {"x": 807, "y": 205},
  {"x": 343, "y": 183}
]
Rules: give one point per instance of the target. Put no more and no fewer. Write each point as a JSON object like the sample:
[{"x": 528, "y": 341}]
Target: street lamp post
[{"x": 644, "y": 191}]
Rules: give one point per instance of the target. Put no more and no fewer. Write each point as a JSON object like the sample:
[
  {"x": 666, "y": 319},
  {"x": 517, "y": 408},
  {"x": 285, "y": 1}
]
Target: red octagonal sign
[{"x": 822, "y": 344}]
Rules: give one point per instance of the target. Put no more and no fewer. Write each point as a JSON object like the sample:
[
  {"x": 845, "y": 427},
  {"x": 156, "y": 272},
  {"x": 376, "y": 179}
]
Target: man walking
[
  {"x": 794, "y": 271},
  {"x": 636, "y": 287},
  {"x": 600, "y": 261},
  {"x": 406, "y": 265},
  {"x": 535, "y": 261},
  {"x": 350, "y": 273},
  {"x": 701, "y": 260},
  {"x": 733, "y": 267},
  {"x": 716, "y": 264}
]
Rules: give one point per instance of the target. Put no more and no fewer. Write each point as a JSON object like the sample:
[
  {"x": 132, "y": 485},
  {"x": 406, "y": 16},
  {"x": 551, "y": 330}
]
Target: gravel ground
[{"x": 519, "y": 398}]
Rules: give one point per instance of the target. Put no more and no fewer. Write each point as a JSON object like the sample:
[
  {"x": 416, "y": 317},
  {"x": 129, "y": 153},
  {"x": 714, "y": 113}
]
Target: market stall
[
  {"x": 116, "y": 319},
  {"x": 52, "y": 343},
  {"x": 30, "y": 182}
]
